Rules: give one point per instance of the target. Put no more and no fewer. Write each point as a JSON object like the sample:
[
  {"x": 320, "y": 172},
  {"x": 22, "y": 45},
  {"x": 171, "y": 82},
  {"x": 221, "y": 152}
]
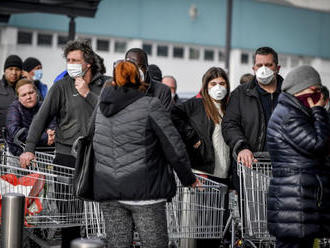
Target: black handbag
[{"x": 83, "y": 150}]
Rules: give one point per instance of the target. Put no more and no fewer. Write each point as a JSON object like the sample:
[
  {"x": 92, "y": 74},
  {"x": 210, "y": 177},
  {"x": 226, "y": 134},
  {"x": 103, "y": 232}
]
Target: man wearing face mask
[
  {"x": 250, "y": 107},
  {"x": 32, "y": 70},
  {"x": 72, "y": 101},
  {"x": 155, "y": 88}
]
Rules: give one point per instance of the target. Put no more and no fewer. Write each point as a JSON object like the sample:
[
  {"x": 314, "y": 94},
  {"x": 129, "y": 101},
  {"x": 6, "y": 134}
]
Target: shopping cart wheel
[{"x": 172, "y": 244}]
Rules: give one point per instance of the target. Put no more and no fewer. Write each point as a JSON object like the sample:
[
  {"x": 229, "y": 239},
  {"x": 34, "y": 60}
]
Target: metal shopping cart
[
  {"x": 50, "y": 203},
  {"x": 197, "y": 213},
  {"x": 254, "y": 184},
  {"x": 193, "y": 213}
]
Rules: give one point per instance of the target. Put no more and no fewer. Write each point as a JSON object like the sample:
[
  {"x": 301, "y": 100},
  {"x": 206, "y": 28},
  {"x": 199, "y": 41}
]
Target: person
[
  {"x": 155, "y": 72},
  {"x": 12, "y": 73},
  {"x": 72, "y": 101},
  {"x": 155, "y": 88},
  {"x": 32, "y": 70},
  {"x": 199, "y": 121},
  {"x": 250, "y": 107},
  {"x": 298, "y": 133},
  {"x": 20, "y": 115},
  {"x": 246, "y": 78},
  {"x": 170, "y": 81},
  {"x": 134, "y": 140}
]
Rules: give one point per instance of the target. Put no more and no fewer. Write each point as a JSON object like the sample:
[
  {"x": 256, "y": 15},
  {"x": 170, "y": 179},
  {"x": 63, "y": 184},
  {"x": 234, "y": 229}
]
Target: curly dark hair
[{"x": 89, "y": 55}]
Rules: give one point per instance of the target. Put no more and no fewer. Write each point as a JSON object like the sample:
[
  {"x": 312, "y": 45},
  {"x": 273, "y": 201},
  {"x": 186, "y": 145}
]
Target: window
[
  {"x": 102, "y": 45},
  {"x": 221, "y": 55},
  {"x": 178, "y": 52},
  {"x": 44, "y": 40},
  {"x": 24, "y": 37},
  {"x": 120, "y": 46},
  {"x": 162, "y": 51},
  {"x": 193, "y": 53},
  {"x": 209, "y": 55},
  {"x": 244, "y": 58},
  {"x": 62, "y": 40},
  {"x": 147, "y": 48}
]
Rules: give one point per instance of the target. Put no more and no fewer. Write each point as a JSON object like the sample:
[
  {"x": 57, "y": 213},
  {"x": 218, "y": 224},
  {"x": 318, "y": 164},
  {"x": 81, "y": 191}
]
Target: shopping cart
[
  {"x": 254, "y": 183},
  {"x": 50, "y": 203},
  {"x": 197, "y": 213},
  {"x": 193, "y": 213}
]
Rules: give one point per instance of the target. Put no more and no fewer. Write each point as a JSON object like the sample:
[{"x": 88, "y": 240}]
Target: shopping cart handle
[{"x": 65, "y": 180}]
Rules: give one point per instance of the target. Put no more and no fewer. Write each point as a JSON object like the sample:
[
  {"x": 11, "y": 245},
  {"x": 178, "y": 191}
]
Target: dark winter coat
[
  {"x": 136, "y": 146},
  {"x": 299, "y": 192},
  {"x": 193, "y": 124},
  {"x": 7, "y": 96},
  {"x": 161, "y": 91},
  {"x": 18, "y": 121},
  {"x": 244, "y": 125}
]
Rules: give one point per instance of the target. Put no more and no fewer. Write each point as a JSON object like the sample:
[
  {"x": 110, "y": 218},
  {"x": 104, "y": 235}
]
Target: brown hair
[
  {"x": 126, "y": 73},
  {"x": 210, "y": 109},
  {"x": 22, "y": 82}
]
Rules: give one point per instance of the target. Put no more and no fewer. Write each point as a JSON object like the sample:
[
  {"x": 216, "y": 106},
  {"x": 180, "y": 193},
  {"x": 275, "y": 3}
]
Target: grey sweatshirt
[{"x": 71, "y": 110}]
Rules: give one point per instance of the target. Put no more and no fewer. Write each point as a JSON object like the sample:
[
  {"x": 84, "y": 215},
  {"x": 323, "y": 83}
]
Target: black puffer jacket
[
  {"x": 299, "y": 192},
  {"x": 193, "y": 124},
  {"x": 134, "y": 143},
  {"x": 244, "y": 125}
]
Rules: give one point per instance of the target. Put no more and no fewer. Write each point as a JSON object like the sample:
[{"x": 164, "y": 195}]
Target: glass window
[
  {"x": 244, "y": 58},
  {"x": 193, "y": 53},
  {"x": 102, "y": 45},
  {"x": 44, "y": 40},
  {"x": 24, "y": 37},
  {"x": 178, "y": 52},
  {"x": 120, "y": 46},
  {"x": 147, "y": 48},
  {"x": 221, "y": 55},
  {"x": 162, "y": 51},
  {"x": 209, "y": 55},
  {"x": 62, "y": 40}
]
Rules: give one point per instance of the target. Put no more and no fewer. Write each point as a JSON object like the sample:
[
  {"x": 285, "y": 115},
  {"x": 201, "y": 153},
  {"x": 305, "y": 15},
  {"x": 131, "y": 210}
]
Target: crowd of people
[{"x": 143, "y": 131}]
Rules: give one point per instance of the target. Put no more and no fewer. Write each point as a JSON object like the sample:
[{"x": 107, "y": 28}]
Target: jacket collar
[
  {"x": 289, "y": 100},
  {"x": 251, "y": 87}
]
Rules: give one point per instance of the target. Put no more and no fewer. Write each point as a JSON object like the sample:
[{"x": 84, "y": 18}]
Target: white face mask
[
  {"x": 218, "y": 92},
  {"x": 141, "y": 75},
  {"x": 37, "y": 75},
  {"x": 75, "y": 70},
  {"x": 264, "y": 75}
]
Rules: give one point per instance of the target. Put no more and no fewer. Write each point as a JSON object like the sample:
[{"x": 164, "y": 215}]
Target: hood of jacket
[{"x": 114, "y": 99}]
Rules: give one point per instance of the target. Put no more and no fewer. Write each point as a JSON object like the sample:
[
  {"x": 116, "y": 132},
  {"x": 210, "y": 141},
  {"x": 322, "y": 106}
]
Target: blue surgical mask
[{"x": 37, "y": 75}]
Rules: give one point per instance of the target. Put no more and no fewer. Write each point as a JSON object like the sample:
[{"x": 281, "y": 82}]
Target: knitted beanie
[
  {"x": 13, "y": 61},
  {"x": 300, "y": 78},
  {"x": 30, "y": 63}
]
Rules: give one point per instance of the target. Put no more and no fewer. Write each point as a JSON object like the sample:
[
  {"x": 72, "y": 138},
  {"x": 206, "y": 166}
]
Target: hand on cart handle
[
  {"x": 246, "y": 158},
  {"x": 197, "y": 183},
  {"x": 26, "y": 158}
]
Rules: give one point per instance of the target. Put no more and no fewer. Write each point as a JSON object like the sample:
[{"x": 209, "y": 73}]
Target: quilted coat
[
  {"x": 299, "y": 191},
  {"x": 136, "y": 146}
]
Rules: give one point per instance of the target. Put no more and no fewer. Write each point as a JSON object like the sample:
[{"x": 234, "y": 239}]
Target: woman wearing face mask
[
  {"x": 297, "y": 139},
  {"x": 199, "y": 122},
  {"x": 32, "y": 70}
]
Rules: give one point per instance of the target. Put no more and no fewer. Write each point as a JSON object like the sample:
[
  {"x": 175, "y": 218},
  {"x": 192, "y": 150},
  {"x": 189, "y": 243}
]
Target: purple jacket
[{"x": 19, "y": 120}]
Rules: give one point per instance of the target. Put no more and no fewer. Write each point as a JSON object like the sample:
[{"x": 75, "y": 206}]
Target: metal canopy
[{"x": 71, "y": 8}]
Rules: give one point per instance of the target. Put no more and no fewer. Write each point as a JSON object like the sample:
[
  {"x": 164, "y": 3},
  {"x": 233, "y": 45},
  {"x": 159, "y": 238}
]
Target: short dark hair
[
  {"x": 89, "y": 55},
  {"x": 155, "y": 72},
  {"x": 265, "y": 51},
  {"x": 140, "y": 52}
]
